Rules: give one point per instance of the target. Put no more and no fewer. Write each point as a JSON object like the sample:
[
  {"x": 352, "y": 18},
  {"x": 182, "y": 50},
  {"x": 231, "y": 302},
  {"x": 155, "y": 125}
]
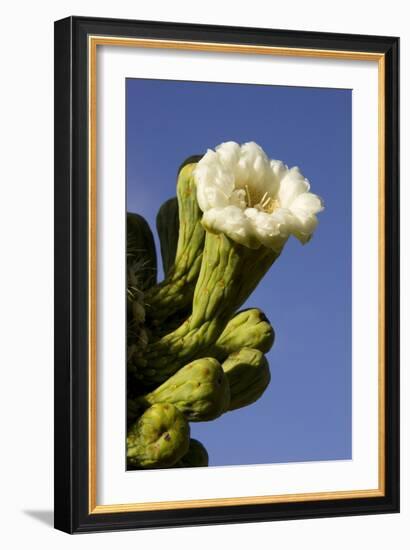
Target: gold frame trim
[{"x": 93, "y": 42}]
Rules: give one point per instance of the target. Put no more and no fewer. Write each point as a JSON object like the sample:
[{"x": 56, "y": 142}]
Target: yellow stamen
[
  {"x": 274, "y": 204},
  {"x": 264, "y": 197},
  {"x": 266, "y": 201}
]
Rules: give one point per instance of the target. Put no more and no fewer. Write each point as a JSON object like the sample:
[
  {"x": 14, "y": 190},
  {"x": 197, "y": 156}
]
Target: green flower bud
[
  {"x": 248, "y": 375},
  {"x": 159, "y": 438},
  {"x": 200, "y": 390},
  {"x": 249, "y": 328}
]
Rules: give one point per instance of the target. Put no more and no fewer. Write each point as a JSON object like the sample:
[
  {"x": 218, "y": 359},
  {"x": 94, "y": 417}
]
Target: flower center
[{"x": 265, "y": 204}]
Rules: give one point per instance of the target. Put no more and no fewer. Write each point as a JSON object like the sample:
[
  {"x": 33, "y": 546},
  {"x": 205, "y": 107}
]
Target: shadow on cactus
[{"x": 192, "y": 355}]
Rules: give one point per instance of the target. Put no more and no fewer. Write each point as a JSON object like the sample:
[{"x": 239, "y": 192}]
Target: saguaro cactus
[{"x": 191, "y": 355}]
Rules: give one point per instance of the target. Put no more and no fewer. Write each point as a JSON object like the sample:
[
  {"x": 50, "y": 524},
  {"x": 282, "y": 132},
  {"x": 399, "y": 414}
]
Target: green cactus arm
[
  {"x": 158, "y": 439},
  {"x": 200, "y": 390},
  {"x": 176, "y": 291},
  {"x": 197, "y": 456},
  {"x": 224, "y": 283},
  {"x": 249, "y": 328},
  {"x": 168, "y": 228},
  {"x": 141, "y": 255},
  {"x": 248, "y": 376}
]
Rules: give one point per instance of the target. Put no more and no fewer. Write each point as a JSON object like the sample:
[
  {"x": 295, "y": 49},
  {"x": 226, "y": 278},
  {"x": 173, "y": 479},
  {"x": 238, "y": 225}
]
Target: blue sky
[{"x": 305, "y": 414}]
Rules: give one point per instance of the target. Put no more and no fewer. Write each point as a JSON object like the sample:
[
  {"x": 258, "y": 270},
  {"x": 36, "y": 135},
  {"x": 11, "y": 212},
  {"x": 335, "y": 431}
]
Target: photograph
[
  {"x": 204, "y": 202},
  {"x": 239, "y": 259},
  {"x": 227, "y": 259}
]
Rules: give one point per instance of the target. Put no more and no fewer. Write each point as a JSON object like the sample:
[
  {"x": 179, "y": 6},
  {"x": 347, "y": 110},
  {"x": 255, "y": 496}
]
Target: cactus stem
[{"x": 213, "y": 304}]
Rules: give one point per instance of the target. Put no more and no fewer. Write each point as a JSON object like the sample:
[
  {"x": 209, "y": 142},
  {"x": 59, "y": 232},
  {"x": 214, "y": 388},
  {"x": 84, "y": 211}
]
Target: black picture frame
[{"x": 71, "y": 492}]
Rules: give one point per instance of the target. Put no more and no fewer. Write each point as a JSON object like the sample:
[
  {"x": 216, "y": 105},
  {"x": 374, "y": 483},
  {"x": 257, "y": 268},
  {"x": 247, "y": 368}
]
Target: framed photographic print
[{"x": 226, "y": 274}]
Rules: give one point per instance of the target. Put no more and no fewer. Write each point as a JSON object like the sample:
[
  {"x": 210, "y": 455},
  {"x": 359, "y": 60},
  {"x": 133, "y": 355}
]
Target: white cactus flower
[{"x": 253, "y": 200}]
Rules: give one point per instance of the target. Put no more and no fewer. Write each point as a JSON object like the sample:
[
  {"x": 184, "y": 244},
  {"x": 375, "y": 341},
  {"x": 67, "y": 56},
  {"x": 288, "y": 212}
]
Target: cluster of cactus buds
[{"x": 192, "y": 356}]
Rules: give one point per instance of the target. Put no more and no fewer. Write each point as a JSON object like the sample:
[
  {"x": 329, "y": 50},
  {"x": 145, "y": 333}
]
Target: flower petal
[
  {"x": 228, "y": 153},
  {"x": 209, "y": 177},
  {"x": 291, "y": 186},
  {"x": 303, "y": 228},
  {"x": 269, "y": 228},
  {"x": 233, "y": 222},
  {"x": 211, "y": 196},
  {"x": 308, "y": 203}
]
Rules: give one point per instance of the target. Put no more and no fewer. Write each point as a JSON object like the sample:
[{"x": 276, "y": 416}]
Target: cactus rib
[{"x": 176, "y": 291}]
